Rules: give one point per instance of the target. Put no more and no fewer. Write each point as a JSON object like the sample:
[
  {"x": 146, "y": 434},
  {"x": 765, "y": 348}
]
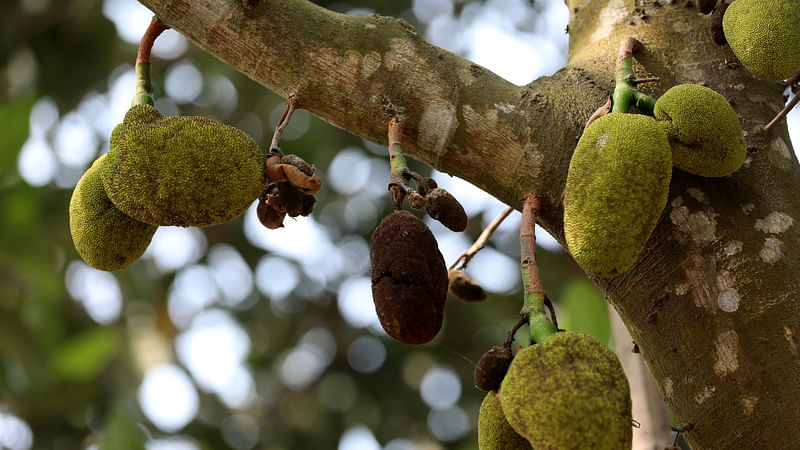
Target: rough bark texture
[{"x": 713, "y": 300}]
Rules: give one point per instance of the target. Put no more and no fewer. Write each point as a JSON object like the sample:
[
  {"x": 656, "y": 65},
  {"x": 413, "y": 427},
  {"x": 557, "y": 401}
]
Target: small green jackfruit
[
  {"x": 105, "y": 237},
  {"x": 184, "y": 171},
  {"x": 568, "y": 392},
  {"x": 616, "y": 189},
  {"x": 703, "y": 130},
  {"x": 494, "y": 432},
  {"x": 764, "y": 35}
]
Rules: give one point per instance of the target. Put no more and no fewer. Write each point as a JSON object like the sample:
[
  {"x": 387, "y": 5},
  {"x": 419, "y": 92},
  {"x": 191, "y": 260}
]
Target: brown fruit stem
[
  {"x": 534, "y": 296},
  {"x": 789, "y": 106},
  {"x": 144, "y": 87},
  {"x": 283, "y": 122},
  {"x": 479, "y": 243},
  {"x": 399, "y": 165}
]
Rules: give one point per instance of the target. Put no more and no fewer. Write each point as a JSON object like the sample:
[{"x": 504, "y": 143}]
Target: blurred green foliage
[{"x": 75, "y": 382}]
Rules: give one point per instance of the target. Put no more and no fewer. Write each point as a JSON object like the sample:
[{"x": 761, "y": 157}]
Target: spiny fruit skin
[
  {"x": 764, "y": 35},
  {"x": 703, "y": 130},
  {"x": 184, "y": 171},
  {"x": 409, "y": 279},
  {"x": 494, "y": 432},
  {"x": 105, "y": 237},
  {"x": 616, "y": 189},
  {"x": 568, "y": 392}
]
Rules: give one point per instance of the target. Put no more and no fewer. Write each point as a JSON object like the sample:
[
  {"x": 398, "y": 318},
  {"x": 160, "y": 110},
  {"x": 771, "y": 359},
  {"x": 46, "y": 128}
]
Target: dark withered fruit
[
  {"x": 715, "y": 27},
  {"x": 298, "y": 162},
  {"x": 492, "y": 367},
  {"x": 268, "y": 215},
  {"x": 291, "y": 197},
  {"x": 308, "y": 204},
  {"x": 445, "y": 208},
  {"x": 409, "y": 279},
  {"x": 416, "y": 200},
  {"x": 464, "y": 287},
  {"x": 426, "y": 186},
  {"x": 706, "y": 6}
]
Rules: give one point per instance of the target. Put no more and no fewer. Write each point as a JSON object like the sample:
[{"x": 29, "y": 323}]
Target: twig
[
  {"x": 523, "y": 319},
  {"x": 283, "y": 122},
  {"x": 639, "y": 81},
  {"x": 791, "y": 81},
  {"x": 600, "y": 112},
  {"x": 155, "y": 28},
  {"x": 774, "y": 122},
  {"x": 144, "y": 87},
  {"x": 487, "y": 232}
]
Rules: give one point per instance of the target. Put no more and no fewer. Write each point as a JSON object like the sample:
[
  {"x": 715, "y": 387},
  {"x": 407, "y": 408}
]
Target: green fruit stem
[
  {"x": 533, "y": 300},
  {"x": 398, "y": 163},
  {"x": 144, "y": 88},
  {"x": 625, "y": 93}
]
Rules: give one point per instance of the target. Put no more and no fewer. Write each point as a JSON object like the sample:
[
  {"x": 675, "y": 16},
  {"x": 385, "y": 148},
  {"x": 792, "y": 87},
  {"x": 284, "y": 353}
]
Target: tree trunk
[{"x": 713, "y": 300}]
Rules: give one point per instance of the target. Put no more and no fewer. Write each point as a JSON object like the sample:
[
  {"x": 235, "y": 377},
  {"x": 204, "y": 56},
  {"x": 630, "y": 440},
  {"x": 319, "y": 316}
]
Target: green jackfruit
[
  {"x": 494, "y": 432},
  {"x": 616, "y": 189},
  {"x": 764, "y": 35},
  {"x": 703, "y": 130},
  {"x": 568, "y": 392},
  {"x": 105, "y": 237},
  {"x": 185, "y": 171}
]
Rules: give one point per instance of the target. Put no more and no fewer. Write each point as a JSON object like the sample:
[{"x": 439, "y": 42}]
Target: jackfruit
[
  {"x": 703, "y": 130},
  {"x": 492, "y": 367},
  {"x": 184, "y": 171},
  {"x": 409, "y": 279},
  {"x": 764, "y": 35},
  {"x": 494, "y": 432},
  {"x": 568, "y": 392},
  {"x": 105, "y": 237},
  {"x": 442, "y": 206},
  {"x": 616, "y": 189}
]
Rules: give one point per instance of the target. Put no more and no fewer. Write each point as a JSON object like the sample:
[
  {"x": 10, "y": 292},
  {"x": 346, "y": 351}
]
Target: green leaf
[
  {"x": 83, "y": 356},
  {"x": 585, "y": 308}
]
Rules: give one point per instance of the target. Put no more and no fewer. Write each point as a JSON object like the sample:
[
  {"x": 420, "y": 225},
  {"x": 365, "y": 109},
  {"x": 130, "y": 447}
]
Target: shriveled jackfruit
[
  {"x": 494, "y": 432},
  {"x": 616, "y": 189},
  {"x": 105, "y": 237},
  {"x": 185, "y": 171},
  {"x": 568, "y": 392},
  {"x": 764, "y": 35},
  {"x": 409, "y": 279},
  {"x": 703, "y": 130}
]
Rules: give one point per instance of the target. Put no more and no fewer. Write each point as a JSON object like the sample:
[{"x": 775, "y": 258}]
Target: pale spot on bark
[
  {"x": 705, "y": 394},
  {"x": 370, "y": 64},
  {"x": 788, "y": 333},
  {"x": 341, "y": 70},
  {"x": 748, "y": 208},
  {"x": 614, "y": 12},
  {"x": 749, "y": 404},
  {"x": 739, "y": 87},
  {"x": 776, "y": 222},
  {"x": 681, "y": 27},
  {"x": 668, "y": 389},
  {"x": 681, "y": 288},
  {"x": 771, "y": 252},
  {"x": 370, "y": 26},
  {"x": 779, "y": 145},
  {"x": 698, "y": 195},
  {"x": 728, "y": 299},
  {"x": 726, "y": 347},
  {"x": 400, "y": 53},
  {"x": 732, "y": 248},
  {"x": 437, "y": 127},
  {"x": 699, "y": 226},
  {"x": 505, "y": 107},
  {"x": 747, "y": 161}
]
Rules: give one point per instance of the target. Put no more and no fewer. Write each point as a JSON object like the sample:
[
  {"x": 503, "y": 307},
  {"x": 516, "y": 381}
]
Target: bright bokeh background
[{"x": 237, "y": 336}]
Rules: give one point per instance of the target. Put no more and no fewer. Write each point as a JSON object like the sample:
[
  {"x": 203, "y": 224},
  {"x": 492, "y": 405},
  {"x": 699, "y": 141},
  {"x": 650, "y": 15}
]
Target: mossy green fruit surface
[
  {"x": 703, "y": 130},
  {"x": 568, "y": 392},
  {"x": 185, "y": 171},
  {"x": 616, "y": 189},
  {"x": 105, "y": 237},
  {"x": 494, "y": 432},
  {"x": 764, "y": 35}
]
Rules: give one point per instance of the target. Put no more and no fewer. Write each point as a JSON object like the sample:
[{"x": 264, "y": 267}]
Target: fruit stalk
[
  {"x": 144, "y": 88},
  {"x": 399, "y": 165},
  {"x": 283, "y": 122},
  {"x": 625, "y": 92},
  {"x": 534, "y": 296}
]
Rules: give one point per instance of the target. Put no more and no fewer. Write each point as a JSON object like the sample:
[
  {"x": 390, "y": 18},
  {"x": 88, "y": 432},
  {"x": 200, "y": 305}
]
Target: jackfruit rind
[
  {"x": 703, "y": 130},
  {"x": 184, "y": 171},
  {"x": 494, "y": 432},
  {"x": 568, "y": 392},
  {"x": 616, "y": 189},
  {"x": 105, "y": 237},
  {"x": 764, "y": 35}
]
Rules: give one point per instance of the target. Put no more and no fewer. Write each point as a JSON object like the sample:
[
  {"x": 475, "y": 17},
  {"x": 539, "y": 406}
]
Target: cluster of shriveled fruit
[
  {"x": 566, "y": 392},
  {"x": 619, "y": 176},
  {"x": 409, "y": 276},
  {"x": 184, "y": 171},
  {"x": 763, "y": 34},
  {"x": 292, "y": 185}
]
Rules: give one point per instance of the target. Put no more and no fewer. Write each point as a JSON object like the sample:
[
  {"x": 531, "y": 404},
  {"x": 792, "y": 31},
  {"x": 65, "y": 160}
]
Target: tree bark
[{"x": 712, "y": 301}]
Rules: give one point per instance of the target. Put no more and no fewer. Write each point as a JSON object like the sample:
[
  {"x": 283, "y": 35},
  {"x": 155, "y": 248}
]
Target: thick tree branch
[{"x": 713, "y": 300}]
